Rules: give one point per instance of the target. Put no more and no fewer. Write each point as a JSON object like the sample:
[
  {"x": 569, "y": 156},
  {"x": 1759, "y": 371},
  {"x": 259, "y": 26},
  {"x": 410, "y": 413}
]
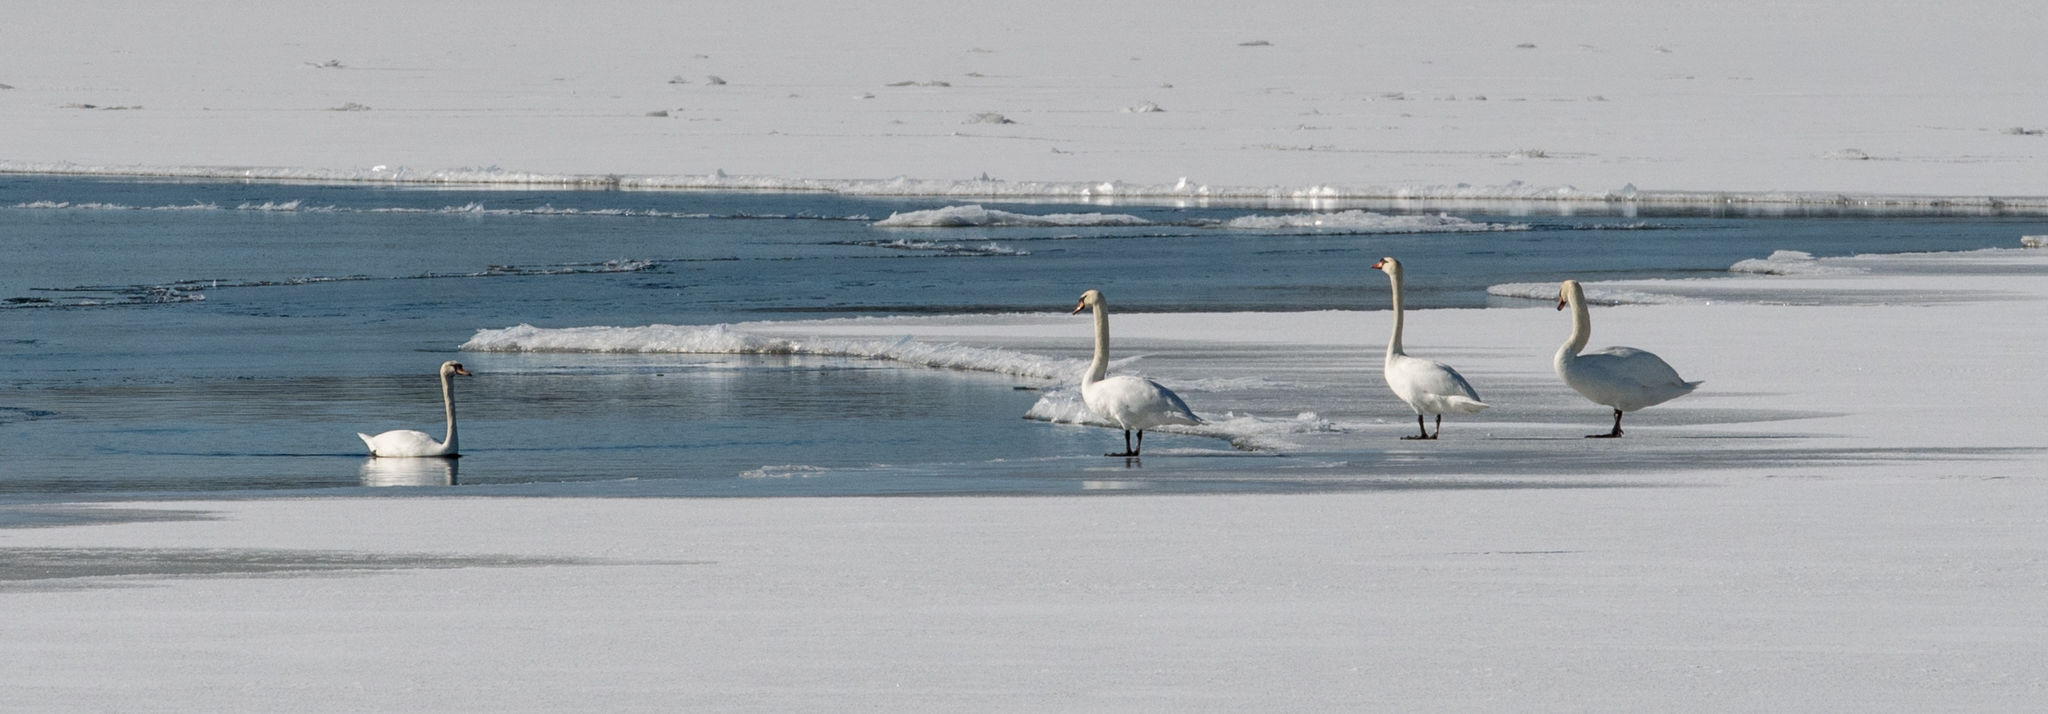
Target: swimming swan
[
  {"x": 1624, "y": 378},
  {"x": 1428, "y": 386},
  {"x": 1131, "y": 402},
  {"x": 406, "y": 442}
]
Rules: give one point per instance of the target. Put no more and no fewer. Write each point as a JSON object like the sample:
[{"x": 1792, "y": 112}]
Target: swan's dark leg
[
  {"x": 1424, "y": 426},
  {"x": 1141, "y": 443},
  {"x": 1439, "y": 427},
  {"x": 1128, "y": 451},
  {"x": 1612, "y": 434}
]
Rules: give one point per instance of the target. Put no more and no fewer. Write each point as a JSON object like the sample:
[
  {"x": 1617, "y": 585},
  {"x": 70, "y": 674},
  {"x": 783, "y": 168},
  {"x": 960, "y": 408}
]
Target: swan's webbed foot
[
  {"x": 1424, "y": 437},
  {"x": 1124, "y": 455}
]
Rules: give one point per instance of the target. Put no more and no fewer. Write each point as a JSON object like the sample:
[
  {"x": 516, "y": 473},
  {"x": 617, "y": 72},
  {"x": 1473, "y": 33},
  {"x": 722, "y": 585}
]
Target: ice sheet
[{"x": 1739, "y": 101}]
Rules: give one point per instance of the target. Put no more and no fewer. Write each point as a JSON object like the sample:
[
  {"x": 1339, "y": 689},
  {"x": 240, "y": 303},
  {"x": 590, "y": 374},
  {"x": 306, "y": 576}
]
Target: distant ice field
[{"x": 238, "y": 342}]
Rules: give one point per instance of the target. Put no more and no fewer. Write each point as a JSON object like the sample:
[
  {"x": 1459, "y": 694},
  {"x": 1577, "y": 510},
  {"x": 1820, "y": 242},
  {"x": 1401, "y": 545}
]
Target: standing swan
[
  {"x": 406, "y": 442},
  {"x": 1131, "y": 402},
  {"x": 1428, "y": 386},
  {"x": 1624, "y": 378}
]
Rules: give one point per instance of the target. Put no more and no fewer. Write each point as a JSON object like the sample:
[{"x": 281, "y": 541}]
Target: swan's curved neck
[
  {"x": 1100, "y": 367},
  {"x": 448, "y": 402},
  {"x": 1394, "y": 343},
  {"x": 1582, "y": 326}
]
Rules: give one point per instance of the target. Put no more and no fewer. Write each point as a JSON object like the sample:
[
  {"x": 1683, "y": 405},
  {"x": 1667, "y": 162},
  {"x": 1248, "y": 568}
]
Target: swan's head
[
  {"x": 1092, "y": 298},
  {"x": 451, "y": 368},
  {"x": 1388, "y": 265},
  {"x": 1568, "y": 293}
]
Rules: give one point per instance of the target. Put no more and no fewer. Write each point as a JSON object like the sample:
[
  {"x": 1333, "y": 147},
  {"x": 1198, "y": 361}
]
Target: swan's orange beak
[
  {"x": 1078, "y": 308},
  {"x": 459, "y": 370},
  {"x": 1561, "y": 302},
  {"x": 1379, "y": 264}
]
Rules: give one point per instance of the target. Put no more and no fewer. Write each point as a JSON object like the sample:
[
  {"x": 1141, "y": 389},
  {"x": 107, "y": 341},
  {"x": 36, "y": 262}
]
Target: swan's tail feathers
[
  {"x": 1465, "y": 405},
  {"x": 367, "y": 442},
  {"x": 1689, "y": 386}
]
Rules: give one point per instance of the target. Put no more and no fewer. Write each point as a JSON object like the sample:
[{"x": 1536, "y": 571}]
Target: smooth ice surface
[{"x": 1498, "y": 99}]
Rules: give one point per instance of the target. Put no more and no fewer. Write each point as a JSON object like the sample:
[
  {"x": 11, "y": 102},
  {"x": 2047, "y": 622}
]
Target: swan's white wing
[
  {"x": 1627, "y": 378},
  {"x": 1431, "y": 387},
  {"x": 1137, "y": 403},
  {"x": 1179, "y": 409},
  {"x": 404, "y": 442}
]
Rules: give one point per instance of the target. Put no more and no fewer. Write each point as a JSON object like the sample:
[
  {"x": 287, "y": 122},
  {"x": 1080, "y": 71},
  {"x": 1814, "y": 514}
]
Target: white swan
[
  {"x": 1624, "y": 378},
  {"x": 1428, "y": 386},
  {"x": 1133, "y": 403},
  {"x": 406, "y": 442}
]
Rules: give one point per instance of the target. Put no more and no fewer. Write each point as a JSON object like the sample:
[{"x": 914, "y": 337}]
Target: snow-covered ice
[{"x": 1708, "y": 102}]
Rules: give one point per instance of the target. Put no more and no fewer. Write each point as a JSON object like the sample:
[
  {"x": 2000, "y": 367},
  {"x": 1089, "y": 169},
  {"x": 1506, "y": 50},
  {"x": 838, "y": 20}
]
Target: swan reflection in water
[{"x": 409, "y": 472}]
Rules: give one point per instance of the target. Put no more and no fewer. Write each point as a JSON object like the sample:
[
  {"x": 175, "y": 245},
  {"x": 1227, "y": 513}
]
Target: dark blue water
[{"x": 147, "y": 351}]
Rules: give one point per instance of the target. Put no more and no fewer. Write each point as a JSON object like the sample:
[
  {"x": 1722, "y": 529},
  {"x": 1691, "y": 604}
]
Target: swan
[
  {"x": 1428, "y": 386},
  {"x": 1131, "y": 402},
  {"x": 1624, "y": 378},
  {"x": 407, "y": 442}
]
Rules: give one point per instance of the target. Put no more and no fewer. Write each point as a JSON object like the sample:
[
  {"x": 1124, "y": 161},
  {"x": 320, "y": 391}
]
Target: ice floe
[
  {"x": 967, "y": 216},
  {"x": 991, "y": 248},
  {"x": 1791, "y": 262},
  {"x": 1356, "y": 221}
]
